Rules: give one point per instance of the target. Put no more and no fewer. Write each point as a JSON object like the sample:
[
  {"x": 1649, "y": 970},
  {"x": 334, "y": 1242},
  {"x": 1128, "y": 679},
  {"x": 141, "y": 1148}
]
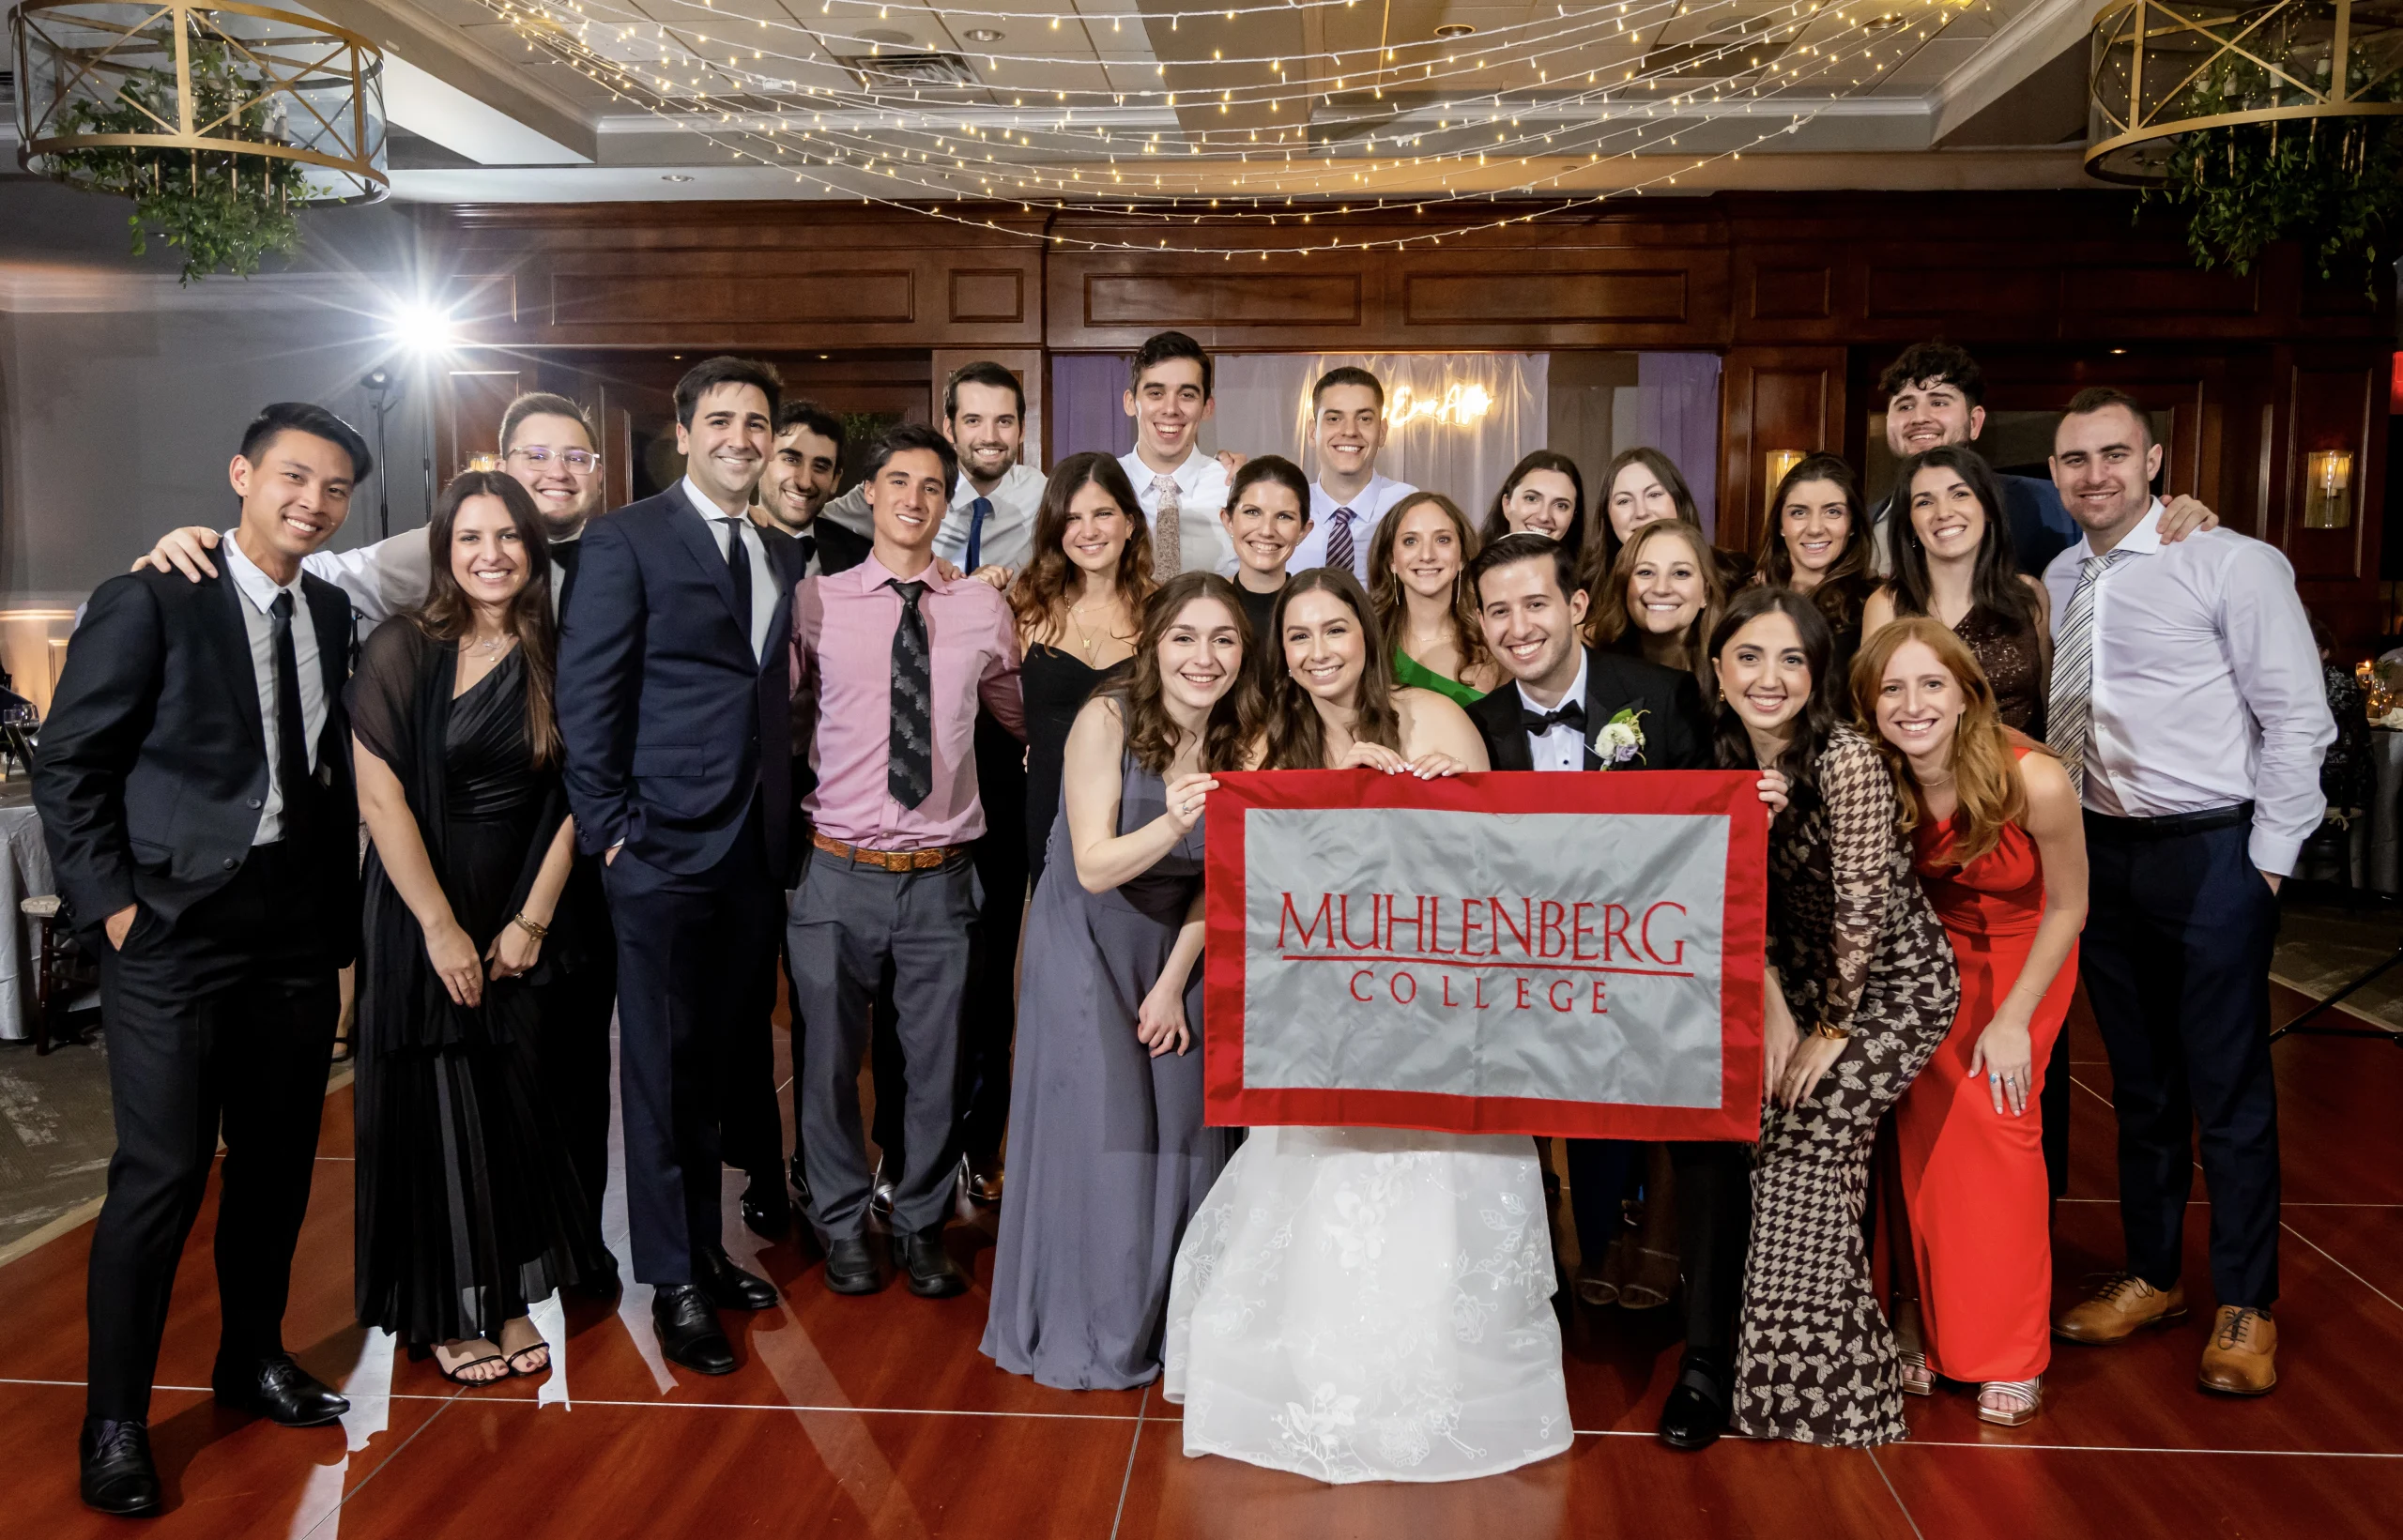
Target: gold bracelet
[
  {"x": 1825, "y": 1029},
  {"x": 534, "y": 928}
]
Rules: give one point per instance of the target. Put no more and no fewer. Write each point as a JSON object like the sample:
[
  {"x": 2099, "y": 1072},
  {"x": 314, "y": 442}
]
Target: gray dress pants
[{"x": 852, "y": 926}]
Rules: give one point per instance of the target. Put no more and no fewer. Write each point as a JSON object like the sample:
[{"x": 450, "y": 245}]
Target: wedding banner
[{"x": 1497, "y": 953}]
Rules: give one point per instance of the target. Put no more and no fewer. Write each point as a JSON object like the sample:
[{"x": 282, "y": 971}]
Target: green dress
[{"x": 1410, "y": 673}]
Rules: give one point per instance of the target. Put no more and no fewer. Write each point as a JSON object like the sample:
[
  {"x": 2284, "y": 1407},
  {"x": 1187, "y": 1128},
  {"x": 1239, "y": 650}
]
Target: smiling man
[
  {"x": 673, "y": 706},
  {"x": 1347, "y": 429},
  {"x": 1181, "y": 488},
  {"x": 2188, "y": 709},
  {"x": 988, "y": 526},
  {"x": 195, "y": 794},
  {"x": 894, "y": 663},
  {"x": 798, "y": 483}
]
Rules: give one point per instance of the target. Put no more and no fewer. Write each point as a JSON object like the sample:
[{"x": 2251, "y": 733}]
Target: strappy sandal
[
  {"x": 2021, "y": 1400},
  {"x": 528, "y": 1371},
  {"x": 1909, "y": 1354},
  {"x": 459, "y": 1374},
  {"x": 1646, "y": 1289}
]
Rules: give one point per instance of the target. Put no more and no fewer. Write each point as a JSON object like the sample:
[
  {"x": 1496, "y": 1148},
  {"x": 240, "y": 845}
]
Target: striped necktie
[
  {"x": 2069, "y": 715},
  {"x": 1338, "y": 540}
]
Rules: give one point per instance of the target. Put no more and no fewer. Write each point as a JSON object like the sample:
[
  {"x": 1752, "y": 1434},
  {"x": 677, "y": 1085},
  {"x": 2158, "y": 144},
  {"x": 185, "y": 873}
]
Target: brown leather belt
[{"x": 890, "y": 861}]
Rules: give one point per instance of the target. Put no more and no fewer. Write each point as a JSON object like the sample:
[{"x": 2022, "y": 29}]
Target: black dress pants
[
  {"x": 988, "y": 1013},
  {"x": 695, "y": 984},
  {"x": 572, "y": 1045},
  {"x": 2175, "y": 958},
  {"x": 223, "y": 1019},
  {"x": 1714, "y": 1201}
]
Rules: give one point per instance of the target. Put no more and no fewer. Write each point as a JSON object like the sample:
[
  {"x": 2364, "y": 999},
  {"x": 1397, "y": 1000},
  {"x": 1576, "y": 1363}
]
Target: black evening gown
[
  {"x": 469, "y": 1204},
  {"x": 1056, "y": 685}
]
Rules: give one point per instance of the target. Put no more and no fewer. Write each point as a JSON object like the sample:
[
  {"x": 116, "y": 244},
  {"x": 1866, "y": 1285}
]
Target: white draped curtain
[{"x": 1264, "y": 408}]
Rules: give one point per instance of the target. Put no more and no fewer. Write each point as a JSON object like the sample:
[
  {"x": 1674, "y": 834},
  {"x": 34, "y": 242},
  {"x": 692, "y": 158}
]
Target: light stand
[{"x": 378, "y": 385}]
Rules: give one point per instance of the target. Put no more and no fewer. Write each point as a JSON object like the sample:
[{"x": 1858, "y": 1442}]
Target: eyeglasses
[{"x": 583, "y": 461}]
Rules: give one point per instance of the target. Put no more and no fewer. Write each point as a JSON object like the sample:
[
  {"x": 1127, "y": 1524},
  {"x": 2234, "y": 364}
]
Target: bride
[{"x": 1366, "y": 1304}]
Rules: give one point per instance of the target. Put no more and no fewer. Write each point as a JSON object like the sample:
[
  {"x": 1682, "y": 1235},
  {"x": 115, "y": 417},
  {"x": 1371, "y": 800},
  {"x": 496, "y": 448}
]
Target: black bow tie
[{"x": 1537, "y": 723}]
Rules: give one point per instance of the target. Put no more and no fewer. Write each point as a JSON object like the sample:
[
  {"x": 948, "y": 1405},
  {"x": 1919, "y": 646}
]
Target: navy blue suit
[{"x": 679, "y": 749}]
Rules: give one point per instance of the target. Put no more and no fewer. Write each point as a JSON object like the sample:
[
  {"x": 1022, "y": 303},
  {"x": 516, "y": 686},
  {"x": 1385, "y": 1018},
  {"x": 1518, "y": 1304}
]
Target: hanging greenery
[
  {"x": 2334, "y": 183},
  {"x": 225, "y": 210}
]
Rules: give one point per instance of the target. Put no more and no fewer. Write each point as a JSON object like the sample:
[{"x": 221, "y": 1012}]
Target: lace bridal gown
[{"x": 1370, "y": 1304}]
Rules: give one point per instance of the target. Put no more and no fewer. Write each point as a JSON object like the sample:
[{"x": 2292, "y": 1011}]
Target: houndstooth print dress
[{"x": 1855, "y": 943}]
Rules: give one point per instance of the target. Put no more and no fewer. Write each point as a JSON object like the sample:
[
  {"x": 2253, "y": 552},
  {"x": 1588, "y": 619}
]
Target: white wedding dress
[{"x": 1370, "y": 1304}]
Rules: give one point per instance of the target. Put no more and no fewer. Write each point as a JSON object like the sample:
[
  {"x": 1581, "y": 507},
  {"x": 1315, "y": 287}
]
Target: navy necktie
[{"x": 980, "y": 507}]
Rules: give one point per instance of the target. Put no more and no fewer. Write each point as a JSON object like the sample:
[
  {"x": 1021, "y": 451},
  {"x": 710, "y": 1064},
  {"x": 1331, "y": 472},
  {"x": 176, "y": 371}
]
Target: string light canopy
[{"x": 1225, "y": 140}]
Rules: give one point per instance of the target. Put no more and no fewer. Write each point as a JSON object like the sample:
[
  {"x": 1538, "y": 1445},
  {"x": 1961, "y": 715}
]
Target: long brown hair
[
  {"x": 448, "y": 613},
  {"x": 1610, "y": 623},
  {"x": 1845, "y": 590},
  {"x": 1986, "y": 772},
  {"x": 1297, "y": 739},
  {"x": 1152, "y": 734},
  {"x": 1497, "y": 519},
  {"x": 1040, "y": 597},
  {"x": 1384, "y": 584},
  {"x": 1601, "y": 555}
]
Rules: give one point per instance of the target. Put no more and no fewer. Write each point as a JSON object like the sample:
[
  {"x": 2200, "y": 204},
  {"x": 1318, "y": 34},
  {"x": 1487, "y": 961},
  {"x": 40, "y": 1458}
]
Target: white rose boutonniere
[{"x": 1620, "y": 741}]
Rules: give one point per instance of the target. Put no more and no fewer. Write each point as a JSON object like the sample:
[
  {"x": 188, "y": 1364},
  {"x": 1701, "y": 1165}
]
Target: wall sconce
[
  {"x": 484, "y": 462},
  {"x": 2328, "y": 489},
  {"x": 1774, "y": 466}
]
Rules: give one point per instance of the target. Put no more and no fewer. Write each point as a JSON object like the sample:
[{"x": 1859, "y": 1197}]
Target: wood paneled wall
[{"x": 1806, "y": 296}]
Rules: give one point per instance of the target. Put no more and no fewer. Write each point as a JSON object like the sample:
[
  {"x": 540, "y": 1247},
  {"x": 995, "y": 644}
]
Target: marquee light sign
[{"x": 1458, "y": 406}]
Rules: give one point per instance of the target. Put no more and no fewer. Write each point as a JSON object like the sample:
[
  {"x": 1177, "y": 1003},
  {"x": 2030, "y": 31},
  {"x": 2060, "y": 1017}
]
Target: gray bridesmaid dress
[{"x": 1107, "y": 1156}]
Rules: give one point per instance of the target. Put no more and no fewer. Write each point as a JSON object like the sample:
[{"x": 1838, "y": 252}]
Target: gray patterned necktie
[
  {"x": 2068, "y": 714},
  {"x": 1167, "y": 561},
  {"x": 910, "y": 749}
]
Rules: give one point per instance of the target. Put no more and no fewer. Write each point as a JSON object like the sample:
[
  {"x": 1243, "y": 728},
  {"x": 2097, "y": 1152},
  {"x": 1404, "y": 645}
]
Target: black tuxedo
[
  {"x": 220, "y": 1008},
  {"x": 839, "y": 549},
  {"x": 679, "y": 750},
  {"x": 1676, "y": 735},
  {"x": 1713, "y": 1180}
]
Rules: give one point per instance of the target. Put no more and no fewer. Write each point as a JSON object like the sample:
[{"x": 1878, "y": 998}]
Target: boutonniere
[{"x": 1620, "y": 741}]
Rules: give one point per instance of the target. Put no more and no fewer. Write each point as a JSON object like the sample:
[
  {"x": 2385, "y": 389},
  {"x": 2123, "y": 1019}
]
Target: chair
[{"x": 62, "y": 969}]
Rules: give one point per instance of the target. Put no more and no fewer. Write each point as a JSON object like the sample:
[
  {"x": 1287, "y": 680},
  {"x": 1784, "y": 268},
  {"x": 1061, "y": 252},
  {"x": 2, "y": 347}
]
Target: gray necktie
[
  {"x": 1166, "y": 560},
  {"x": 2068, "y": 714}
]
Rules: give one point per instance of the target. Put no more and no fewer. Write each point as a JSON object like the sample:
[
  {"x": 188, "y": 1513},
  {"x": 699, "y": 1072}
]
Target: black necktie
[
  {"x": 737, "y": 567},
  {"x": 291, "y": 728},
  {"x": 1537, "y": 723},
  {"x": 910, "y": 770}
]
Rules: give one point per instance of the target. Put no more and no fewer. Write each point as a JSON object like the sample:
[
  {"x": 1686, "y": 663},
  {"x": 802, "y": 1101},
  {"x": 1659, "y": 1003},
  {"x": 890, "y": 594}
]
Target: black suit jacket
[
  {"x": 1676, "y": 735},
  {"x": 152, "y": 768},
  {"x": 839, "y": 550},
  {"x": 671, "y": 726}
]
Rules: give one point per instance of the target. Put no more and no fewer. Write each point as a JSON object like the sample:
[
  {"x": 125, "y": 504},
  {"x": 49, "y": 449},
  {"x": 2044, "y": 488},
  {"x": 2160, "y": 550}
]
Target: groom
[{"x": 1565, "y": 694}]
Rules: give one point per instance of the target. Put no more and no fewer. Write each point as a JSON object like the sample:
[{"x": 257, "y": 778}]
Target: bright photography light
[{"x": 423, "y": 330}]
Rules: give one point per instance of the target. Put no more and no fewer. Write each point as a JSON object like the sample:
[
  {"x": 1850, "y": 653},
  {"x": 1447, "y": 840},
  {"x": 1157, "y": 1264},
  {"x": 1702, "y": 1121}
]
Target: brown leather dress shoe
[
  {"x": 2118, "y": 1310},
  {"x": 2241, "y": 1357}
]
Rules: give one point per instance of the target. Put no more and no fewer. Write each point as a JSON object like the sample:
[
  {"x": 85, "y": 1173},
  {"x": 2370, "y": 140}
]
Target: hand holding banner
[{"x": 1491, "y": 953}]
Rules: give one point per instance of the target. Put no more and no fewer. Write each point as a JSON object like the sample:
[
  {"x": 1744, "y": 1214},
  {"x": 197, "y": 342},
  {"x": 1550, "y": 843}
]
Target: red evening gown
[{"x": 1974, "y": 1179}]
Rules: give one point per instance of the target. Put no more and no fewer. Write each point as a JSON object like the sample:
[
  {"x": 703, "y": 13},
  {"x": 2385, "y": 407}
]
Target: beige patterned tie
[
  {"x": 1166, "y": 560},
  {"x": 2068, "y": 714}
]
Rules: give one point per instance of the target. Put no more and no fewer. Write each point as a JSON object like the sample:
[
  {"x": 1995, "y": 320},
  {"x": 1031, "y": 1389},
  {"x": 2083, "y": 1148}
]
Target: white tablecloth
[{"x": 24, "y": 874}]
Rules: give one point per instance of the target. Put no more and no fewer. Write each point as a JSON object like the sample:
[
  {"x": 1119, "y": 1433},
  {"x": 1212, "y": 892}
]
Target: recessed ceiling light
[
  {"x": 982, "y": 35},
  {"x": 1454, "y": 29},
  {"x": 675, "y": 176}
]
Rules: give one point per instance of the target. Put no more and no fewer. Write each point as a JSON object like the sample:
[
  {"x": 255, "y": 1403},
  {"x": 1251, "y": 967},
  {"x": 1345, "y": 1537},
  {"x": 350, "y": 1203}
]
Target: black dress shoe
[
  {"x": 600, "y": 1287},
  {"x": 1697, "y": 1410},
  {"x": 688, "y": 1330},
  {"x": 799, "y": 1187},
  {"x": 728, "y": 1285},
  {"x": 278, "y": 1390},
  {"x": 982, "y": 1179},
  {"x": 118, "y": 1475},
  {"x": 851, "y": 1267},
  {"x": 765, "y": 1211},
  {"x": 933, "y": 1276},
  {"x": 880, "y": 1193}
]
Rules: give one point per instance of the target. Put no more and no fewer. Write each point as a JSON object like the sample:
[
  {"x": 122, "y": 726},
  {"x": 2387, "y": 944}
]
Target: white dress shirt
[
  {"x": 1564, "y": 747},
  {"x": 382, "y": 579},
  {"x": 725, "y": 527},
  {"x": 1369, "y": 506},
  {"x": 1202, "y": 542},
  {"x": 258, "y": 592},
  {"x": 1009, "y": 528},
  {"x": 2207, "y": 690}
]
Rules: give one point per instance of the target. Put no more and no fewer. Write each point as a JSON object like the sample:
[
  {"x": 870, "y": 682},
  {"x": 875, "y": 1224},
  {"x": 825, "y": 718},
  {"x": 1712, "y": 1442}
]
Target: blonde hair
[{"x": 1986, "y": 771}]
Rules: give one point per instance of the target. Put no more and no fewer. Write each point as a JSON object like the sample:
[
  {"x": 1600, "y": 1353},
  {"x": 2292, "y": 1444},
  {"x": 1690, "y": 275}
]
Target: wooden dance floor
[{"x": 879, "y": 1417}]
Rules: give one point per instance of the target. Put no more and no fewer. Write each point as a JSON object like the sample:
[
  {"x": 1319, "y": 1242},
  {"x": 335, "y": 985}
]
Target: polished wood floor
[{"x": 879, "y": 1417}]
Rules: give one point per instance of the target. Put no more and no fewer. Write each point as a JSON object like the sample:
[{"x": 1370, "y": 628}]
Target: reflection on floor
[{"x": 877, "y": 1417}]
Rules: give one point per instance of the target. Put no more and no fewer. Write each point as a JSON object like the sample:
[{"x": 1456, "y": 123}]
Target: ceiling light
[
  {"x": 1454, "y": 29},
  {"x": 982, "y": 35}
]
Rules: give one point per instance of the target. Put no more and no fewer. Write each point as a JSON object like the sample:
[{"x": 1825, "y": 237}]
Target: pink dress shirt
[{"x": 842, "y": 669}]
